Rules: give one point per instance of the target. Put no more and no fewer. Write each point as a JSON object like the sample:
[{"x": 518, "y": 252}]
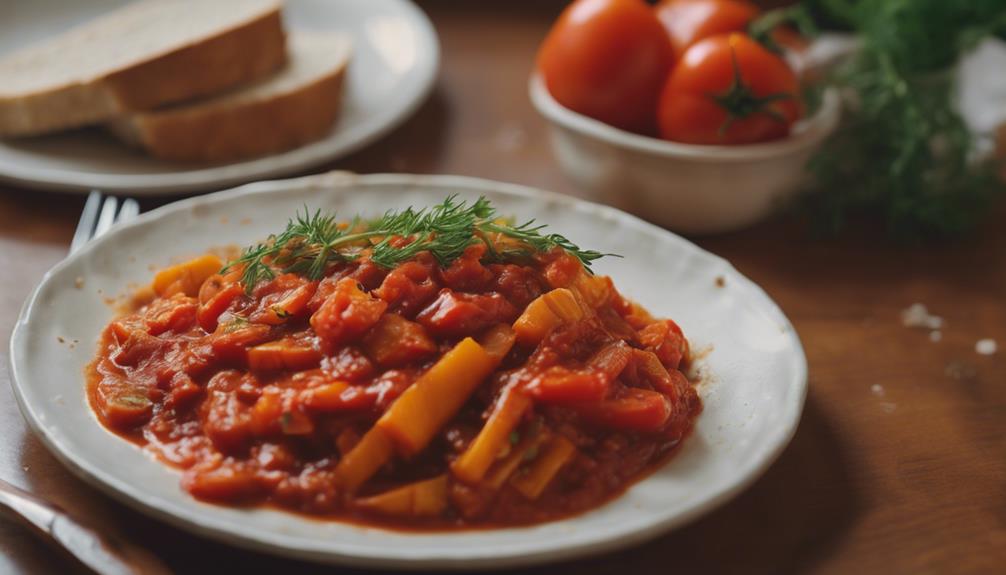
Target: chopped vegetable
[
  {"x": 126, "y": 406},
  {"x": 363, "y": 461},
  {"x": 640, "y": 410},
  {"x": 504, "y": 468},
  {"x": 209, "y": 312},
  {"x": 557, "y": 452},
  {"x": 546, "y": 313},
  {"x": 347, "y": 314},
  {"x": 327, "y": 397},
  {"x": 436, "y": 396},
  {"x": 186, "y": 277},
  {"x": 420, "y": 499},
  {"x": 472, "y": 465},
  {"x": 396, "y": 341},
  {"x": 283, "y": 354}
]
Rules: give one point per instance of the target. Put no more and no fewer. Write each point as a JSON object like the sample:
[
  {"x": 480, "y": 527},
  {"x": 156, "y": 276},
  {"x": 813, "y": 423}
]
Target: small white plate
[
  {"x": 754, "y": 371},
  {"x": 395, "y": 59}
]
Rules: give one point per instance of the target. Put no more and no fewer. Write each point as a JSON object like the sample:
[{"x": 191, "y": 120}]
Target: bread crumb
[
  {"x": 721, "y": 281},
  {"x": 245, "y": 221},
  {"x": 986, "y": 346},
  {"x": 916, "y": 315},
  {"x": 79, "y": 282},
  {"x": 877, "y": 390},
  {"x": 60, "y": 339},
  {"x": 935, "y": 335}
]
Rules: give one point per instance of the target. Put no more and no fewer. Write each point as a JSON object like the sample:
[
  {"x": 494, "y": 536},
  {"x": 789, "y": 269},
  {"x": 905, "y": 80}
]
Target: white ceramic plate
[
  {"x": 754, "y": 388},
  {"x": 394, "y": 65}
]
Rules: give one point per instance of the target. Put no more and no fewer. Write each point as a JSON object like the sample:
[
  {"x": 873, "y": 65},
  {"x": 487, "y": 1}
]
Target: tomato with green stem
[
  {"x": 607, "y": 59},
  {"x": 729, "y": 90},
  {"x": 689, "y": 21}
]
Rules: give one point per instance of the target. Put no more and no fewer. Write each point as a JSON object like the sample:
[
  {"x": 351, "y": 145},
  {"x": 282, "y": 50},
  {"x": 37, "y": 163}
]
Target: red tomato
[
  {"x": 562, "y": 386},
  {"x": 347, "y": 314},
  {"x": 640, "y": 410},
  {"x": 607, "y": 59},
  {"x": 688, "y": 21},
  {"x": 729, "y": 90}
]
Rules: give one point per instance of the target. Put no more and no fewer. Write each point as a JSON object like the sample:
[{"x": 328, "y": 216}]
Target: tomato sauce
[{"x": 425, "y": 397}]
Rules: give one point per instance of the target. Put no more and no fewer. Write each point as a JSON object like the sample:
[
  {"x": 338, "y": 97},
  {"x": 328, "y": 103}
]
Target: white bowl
[{"x": 688, "y": 188}]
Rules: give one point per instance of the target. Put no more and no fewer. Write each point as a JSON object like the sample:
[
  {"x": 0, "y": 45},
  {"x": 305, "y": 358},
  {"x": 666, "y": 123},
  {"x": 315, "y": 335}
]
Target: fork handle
[{"x": 100, "y": 553}]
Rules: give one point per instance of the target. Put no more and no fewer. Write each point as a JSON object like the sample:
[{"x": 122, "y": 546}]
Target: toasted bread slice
[
  {"x": 297, "y": 105},
  {"x": 139, "y": 57}
]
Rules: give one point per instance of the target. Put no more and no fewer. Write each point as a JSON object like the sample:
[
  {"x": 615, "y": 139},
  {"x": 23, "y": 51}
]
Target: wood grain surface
[{"x": 899, "y": 464}]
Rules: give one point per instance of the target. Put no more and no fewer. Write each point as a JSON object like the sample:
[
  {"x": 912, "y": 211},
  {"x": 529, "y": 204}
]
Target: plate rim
[
  {"x": 163, "y": 510},
  {"x": 218, "y": 177}
]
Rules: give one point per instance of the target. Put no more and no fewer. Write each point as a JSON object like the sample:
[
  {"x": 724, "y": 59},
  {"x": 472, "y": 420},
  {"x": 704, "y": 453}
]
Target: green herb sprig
[
  {"x": 312, "y": 242},
  {"x": 904, "y": 153}
]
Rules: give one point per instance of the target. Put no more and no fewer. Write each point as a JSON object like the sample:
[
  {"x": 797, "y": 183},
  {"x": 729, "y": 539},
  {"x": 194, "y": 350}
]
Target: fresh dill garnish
[
  {"x": 903, "y": 151},
  {"x": 312, "y": 242}
]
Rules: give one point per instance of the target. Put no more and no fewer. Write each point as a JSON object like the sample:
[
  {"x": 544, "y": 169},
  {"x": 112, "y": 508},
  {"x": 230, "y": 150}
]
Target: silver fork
[
  {"x": 102, "y": 553},
  {"x": 98, "y": 216}
]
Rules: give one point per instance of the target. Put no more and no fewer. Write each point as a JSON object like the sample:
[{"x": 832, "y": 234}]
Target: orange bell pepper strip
[
  {"x": 504, "y": 468},
  {"x": 593, "y": 290},
  {"x": 363, "y": 461},
  {"x": 427, "y": 498},
  {"x": 425, "y": 407},
  {"x": 186, "y": 277},
  {"x": 557, "y": 452},
  {"x": 547, "y": 312},
  {"x": 472, "y": 465}
]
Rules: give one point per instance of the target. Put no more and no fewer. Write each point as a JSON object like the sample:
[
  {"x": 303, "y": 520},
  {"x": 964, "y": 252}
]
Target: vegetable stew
[{"x": 501, "y": 384}]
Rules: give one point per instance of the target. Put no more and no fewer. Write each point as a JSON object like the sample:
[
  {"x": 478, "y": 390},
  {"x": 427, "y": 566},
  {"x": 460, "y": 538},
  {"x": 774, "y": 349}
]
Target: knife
[{"x": 102, "y": 554}]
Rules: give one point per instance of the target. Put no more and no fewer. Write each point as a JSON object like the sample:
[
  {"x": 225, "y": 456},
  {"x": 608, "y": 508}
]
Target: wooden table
[{"x": 899, "y": 464}]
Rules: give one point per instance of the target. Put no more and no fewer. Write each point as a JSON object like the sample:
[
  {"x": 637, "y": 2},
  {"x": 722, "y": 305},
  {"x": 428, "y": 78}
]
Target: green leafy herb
[
  {"x": 799, "y": 15},
  {"x": 313, "y": 242},
  {"x": 903, "y": 151}
]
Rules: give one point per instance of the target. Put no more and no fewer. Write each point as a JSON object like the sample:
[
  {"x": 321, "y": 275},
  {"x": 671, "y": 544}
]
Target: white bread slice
[
  {"x": 141, "y": 56},
  {"x": 297, "y": 105}
]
